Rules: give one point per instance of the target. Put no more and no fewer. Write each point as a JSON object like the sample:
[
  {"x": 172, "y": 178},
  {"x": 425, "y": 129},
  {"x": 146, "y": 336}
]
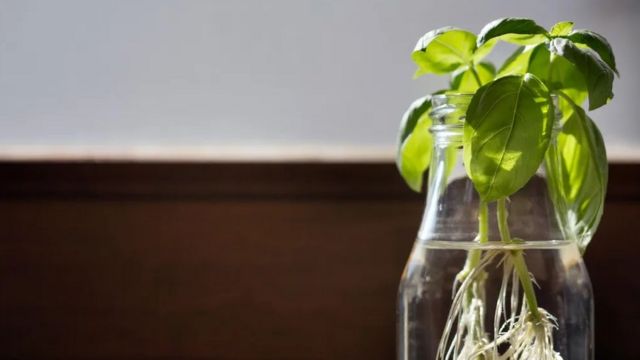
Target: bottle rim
[
  {"x": 447, "y": 103},
  {"x": 452, "y": 95}
]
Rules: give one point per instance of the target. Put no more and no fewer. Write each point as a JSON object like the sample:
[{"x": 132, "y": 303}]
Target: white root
[{"x": 514, "y": 327}]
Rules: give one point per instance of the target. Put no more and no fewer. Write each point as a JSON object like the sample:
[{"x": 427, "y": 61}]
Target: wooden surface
[{"x": 239, "y": 261}]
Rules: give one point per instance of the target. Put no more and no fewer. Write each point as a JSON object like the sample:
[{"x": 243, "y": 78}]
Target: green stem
[
  {"x": 475, "y": 74},
  {"x": 483, "y": 222},
  {"x": 518, "y": 261},
  {"x": 562, "y": 95},
  {"x": 483, "y": 234},
  {"x": 473, "y": 258}
]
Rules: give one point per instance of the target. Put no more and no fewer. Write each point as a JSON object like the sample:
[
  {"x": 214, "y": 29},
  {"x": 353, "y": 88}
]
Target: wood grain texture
[{"x": 238, "y": 261}]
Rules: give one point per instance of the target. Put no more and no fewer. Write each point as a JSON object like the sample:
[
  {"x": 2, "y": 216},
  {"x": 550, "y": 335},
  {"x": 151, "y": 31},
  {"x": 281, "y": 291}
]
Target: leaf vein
[{"x": 504, "y": 148}]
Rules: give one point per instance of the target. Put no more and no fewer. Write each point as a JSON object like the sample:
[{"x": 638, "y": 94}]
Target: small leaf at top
[
  {"x": 597, "y": 43},
  {"x": 414, "y": 143},
  {"x": 577, "y": 174},
  {"x": 443, "y": 50},
  {"x": 562, "y": 28},
  {"x": 514, "y": 30},
  {"x": 597, "y": 74},
  {"x": 464, "y": 80},
  {"x": 506, "y": 134}
]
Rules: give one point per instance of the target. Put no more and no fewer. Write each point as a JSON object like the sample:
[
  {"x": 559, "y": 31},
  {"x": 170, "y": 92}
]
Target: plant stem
[
  {"x": 475, "y": 74},
  {"x": 473, "y": 258},
  {"x": 483, "y": 234},
  {"x": 518, "y": 261}
]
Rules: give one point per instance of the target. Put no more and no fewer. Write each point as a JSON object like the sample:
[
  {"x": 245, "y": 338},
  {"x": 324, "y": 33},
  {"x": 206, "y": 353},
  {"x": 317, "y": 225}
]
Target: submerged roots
[{"x": 517, "y": 333}]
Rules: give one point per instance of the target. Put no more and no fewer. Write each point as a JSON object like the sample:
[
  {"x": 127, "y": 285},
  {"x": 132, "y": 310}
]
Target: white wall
[{"x": 252, "y": 75}]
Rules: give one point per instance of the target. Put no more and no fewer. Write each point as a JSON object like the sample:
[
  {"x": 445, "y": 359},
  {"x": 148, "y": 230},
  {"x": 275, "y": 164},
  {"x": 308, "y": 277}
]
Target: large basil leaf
[
  {"x": 556, "y": 71},
  {"x": 597, "y": 74},
  {"x": 415, "y": 143},
  {"x": 464, "y": 81},
  {"x": 514, "y": 30},
  {"x": 597, "y": 43},
  {"x": 443, "y": 50},
  {"x": 506, "y": 134},
  {"x": 577, "y": 174}
]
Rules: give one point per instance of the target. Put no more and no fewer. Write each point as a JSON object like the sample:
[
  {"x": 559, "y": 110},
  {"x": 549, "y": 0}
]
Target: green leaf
[
  {"x": 411, "y": 115},
  {"x": 562, "y": 28},
  {"x": 464, "y": 81},
  {"x": 597, "y": 74},
  {"x": 565, "y": 77},
  {"x": 415, "y": 142},
  {"x": 517, "y": 63},
  {"x": 597, "y": 43},
  {"x": 484, "y": 50},
  {"x": 443, "y": 50},
  {"x": 532, "y": 58},
  {"x": 556, "y": 71},
  {"x": 539, "y": 62},
  {"x": 506, "y": 134},
  {"x": 514, "y": 30},
  {"x": 577, "y": 174}
]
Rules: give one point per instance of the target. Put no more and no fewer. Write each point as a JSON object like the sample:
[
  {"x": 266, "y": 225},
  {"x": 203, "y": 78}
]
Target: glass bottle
[{"x": 463, "y": 293}]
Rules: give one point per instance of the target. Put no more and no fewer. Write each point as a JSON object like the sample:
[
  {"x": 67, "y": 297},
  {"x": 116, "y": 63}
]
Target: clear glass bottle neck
[{"x": 453, "y": 205}]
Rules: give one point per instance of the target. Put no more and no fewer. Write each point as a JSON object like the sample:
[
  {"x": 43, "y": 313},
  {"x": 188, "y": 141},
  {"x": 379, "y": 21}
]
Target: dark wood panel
[
  {"x": 220, "y": 279},
  {"x": 109, "y": 180},
  {"x": 613, "y": 269},
  {"x": 201, "y": 180},
  {"x": 237, "y": 261}
]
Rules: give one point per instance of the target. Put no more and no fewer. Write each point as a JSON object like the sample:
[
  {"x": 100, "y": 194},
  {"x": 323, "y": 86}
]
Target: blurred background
[
  {"x": 278, "y": 79},
  {"x": 215, "y": 179}
]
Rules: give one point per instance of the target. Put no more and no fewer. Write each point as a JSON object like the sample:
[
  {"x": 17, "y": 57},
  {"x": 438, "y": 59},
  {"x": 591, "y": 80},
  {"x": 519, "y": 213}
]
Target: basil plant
[
  {"x": 510, "y": 119},
  {"x": 507, "y": 131}
]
